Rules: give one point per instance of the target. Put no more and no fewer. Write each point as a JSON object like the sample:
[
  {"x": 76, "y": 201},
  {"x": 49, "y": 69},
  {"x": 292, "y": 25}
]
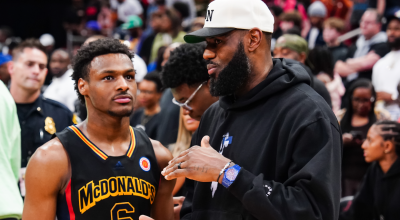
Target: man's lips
[
  {"x": 123, "y": 99},
  {"x": 211, "y": 68}
]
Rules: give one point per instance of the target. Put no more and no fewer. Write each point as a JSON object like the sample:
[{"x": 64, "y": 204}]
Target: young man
[
  {"x": 385, "y": 74},
  {"x": 39, "y": 117},
  {"x": 148, "y": 117},
  {"x": 190, "y": 91},
  {"x": 61, "y": 88},
  {"x": 271, "y": 147},
  {"x": 101, "y": 168},
  {"x": 290, "y": 46},
  {"x": 333, "y": 28}
]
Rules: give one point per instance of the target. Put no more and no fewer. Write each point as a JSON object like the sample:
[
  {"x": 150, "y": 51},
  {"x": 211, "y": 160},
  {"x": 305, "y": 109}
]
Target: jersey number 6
[{"x": 121, "y": 207}]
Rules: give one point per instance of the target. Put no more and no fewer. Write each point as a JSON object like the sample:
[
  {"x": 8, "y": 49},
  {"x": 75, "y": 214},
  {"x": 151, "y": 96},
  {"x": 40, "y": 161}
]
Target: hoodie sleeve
[{"x": 312, "y": 190}]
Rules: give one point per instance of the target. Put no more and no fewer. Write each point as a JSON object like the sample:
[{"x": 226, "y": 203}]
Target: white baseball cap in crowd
[{"x": 226, "y": 15}]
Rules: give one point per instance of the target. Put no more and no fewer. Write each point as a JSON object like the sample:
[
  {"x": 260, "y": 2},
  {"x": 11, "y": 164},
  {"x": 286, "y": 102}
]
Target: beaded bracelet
[{"x": 223, "y": 170}]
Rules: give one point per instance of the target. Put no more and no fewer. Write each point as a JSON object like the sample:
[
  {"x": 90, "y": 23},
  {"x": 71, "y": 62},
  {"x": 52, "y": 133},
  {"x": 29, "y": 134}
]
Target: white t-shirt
[
  {"x": 313, "y": 37},
  {"x": 62, "y": 90},
  {"x": 140, "y": 67},
  {"x": 386, "y": 77},
  {"x": 386, "y": 73},
  {"x": 127, "y": 8}
]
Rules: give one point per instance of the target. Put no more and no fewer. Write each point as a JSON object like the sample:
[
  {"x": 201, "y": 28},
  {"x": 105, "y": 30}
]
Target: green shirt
[
  {"x": 10, "y": 157},
  {"x": 163, "y": 39}
]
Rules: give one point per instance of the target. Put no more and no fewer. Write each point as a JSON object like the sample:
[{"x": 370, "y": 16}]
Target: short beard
[
  {"x": 395, "y": 45},
  {"x": 233, "y": 77},
  {"x": 121, "y": 113}
]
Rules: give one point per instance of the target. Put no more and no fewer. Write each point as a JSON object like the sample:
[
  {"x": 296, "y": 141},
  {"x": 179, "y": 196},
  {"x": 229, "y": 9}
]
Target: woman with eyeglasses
[
  {"x": 379, "y": 196},
  {"x": 356, "y": 120}
]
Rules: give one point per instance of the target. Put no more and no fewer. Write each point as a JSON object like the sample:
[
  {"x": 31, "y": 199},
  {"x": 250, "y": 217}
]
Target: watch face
[{"x": 231, "y": 174}]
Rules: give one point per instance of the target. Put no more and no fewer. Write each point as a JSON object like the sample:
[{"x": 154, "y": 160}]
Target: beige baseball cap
[{"x": 226, "y": 15}]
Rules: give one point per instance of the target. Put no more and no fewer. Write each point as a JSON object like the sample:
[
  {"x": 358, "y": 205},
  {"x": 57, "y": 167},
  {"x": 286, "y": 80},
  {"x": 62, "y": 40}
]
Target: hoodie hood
[{"x": 284, "y": 74}]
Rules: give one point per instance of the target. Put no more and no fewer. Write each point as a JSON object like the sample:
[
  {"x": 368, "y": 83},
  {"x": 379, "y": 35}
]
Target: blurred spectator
[
  {"x": 355, "y": 122},
  {"x": 333, "y": 28},
  {"x": 187, "y": 126},
  {"x": 322, "y": 67},
  {"x": 191, "y": 10},
  {"x": 61, "y": 89},
  {"x": 276, "y": 12},
  {"x": 10, "y": 157},
  {"x": 156, "y": 66},
  {"x": 125, "y": 8},
  {"x": 379, "y": 196},
  {"x": 105, "y": 19},
  {"x": 146, "y": 47},
  {"x": 317, "y": 13},
  {"x": 4, "y": 74},
  {"x": 369, "y": 48},
  {"x": 198, "y": 23},
  {"x": 134, "y": 27},
  {"x": 290, "y": 20},
  {"x": 148, "y": 117},
  {"x": 294, "y": 47},
  {"x": 171, "y": 32},
  {"x": 183, "y": 11},
  {"x": 39, "y": 117},
  {"x": 47, "y": 40},
  {"x": 386, "y": 72},
  {"x": 292, "y": 6}
]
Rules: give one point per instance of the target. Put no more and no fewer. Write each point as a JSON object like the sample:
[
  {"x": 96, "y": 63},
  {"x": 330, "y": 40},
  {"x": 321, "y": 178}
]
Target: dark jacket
[
  {"x": 379, "y": 197},
  {"x": 150, "y": 127},
  {"x": 287, "y": 141}
]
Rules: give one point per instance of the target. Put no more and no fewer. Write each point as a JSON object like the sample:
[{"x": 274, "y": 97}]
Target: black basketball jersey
[{"x": 107, "y": 187}]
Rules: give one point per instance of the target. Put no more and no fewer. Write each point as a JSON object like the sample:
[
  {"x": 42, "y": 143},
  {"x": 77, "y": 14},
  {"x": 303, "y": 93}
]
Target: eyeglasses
[
  {"x": 360, "y": 100},
  {"x": 185, "y": 105}
]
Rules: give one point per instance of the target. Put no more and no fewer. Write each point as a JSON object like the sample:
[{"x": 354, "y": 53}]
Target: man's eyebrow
[{"x": 113, "y": 71}]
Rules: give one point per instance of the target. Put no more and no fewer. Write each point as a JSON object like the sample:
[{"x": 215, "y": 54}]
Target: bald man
[{"x": 61, "y": 88}]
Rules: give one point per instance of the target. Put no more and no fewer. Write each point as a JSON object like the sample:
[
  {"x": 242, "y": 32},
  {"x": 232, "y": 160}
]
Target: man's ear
[
  {"x": 255, "y": 36},
  {"x": 10, "y": 67},
  {"x": 83, "y": 87},
  {"x": 303, "y": 57}
]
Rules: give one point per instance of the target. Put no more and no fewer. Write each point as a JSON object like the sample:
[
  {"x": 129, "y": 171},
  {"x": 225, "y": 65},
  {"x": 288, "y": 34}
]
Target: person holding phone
[{"x": 357, "y": 119}]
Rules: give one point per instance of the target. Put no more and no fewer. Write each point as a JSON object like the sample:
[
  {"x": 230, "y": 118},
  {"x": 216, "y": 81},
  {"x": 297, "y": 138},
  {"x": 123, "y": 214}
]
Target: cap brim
[
  {"x": 200, "y": 35},
  {"x": 126, "y": 26}
]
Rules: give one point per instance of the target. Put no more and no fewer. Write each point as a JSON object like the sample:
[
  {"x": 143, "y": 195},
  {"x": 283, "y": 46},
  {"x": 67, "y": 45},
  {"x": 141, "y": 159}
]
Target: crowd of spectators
[{"x": 358, "y": 73}]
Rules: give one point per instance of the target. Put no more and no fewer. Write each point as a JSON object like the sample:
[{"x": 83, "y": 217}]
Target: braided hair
[{"x": 390, "y": 130}]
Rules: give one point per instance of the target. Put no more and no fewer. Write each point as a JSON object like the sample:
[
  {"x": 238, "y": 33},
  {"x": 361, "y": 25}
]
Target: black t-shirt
[
  {"x": 339, "y": 52},
  {"x": 380, "y": 48}
]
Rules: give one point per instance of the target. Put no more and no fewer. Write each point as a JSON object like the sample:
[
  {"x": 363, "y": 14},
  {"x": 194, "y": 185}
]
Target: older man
[
  {"x": 369, "y": 48},
  {"x": 271, "y": 147}
]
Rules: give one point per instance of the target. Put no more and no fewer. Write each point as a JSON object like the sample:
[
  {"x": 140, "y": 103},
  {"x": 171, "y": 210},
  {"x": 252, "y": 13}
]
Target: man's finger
[
  {"x": 170, "y": 168},
  {"x": 177, "y": 173},
  {"x": 182, "y": 154},
  {"x": 176, "y": 162},
  {"x": 178, "y": 200},
  {"x": 143, "y": 217},
  {"x": 205, "y": 142}
]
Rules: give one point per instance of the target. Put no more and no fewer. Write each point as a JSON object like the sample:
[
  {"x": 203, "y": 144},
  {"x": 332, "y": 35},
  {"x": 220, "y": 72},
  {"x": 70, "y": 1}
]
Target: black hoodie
[{"x": 287, "y": 141}]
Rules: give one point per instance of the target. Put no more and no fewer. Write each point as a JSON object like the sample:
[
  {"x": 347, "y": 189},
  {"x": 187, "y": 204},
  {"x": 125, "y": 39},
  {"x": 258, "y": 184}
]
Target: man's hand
[
  {"x": 143, "y": 217},
  {"x": 177, "y": 209},
  {"x": 387, "y": 97},
  {"x": 201, "y": 164},
  {"x": 347, "y": 138}
]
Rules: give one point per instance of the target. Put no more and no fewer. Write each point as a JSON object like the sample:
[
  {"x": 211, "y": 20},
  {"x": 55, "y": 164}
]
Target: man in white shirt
[
  {"x": 386, "y": 72},
  {"x": 61, "y": 88}
]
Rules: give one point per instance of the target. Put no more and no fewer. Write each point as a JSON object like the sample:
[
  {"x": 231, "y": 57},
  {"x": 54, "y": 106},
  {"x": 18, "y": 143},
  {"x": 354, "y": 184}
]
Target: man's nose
[
  {"x": 186, "y": 111},
  {"x": 122, "y": 84},
  {"x": 208, "y": 54}
]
